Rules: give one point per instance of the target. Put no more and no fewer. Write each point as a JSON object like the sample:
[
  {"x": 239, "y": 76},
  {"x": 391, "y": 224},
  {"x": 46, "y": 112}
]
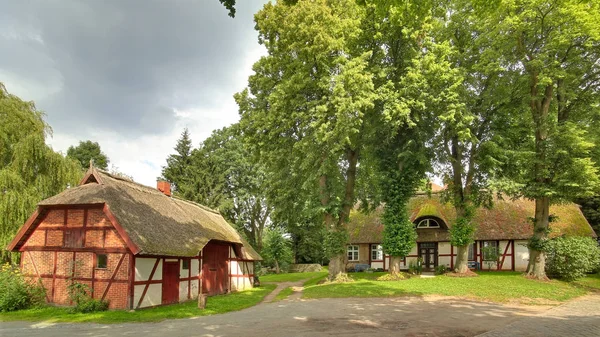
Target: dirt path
[
  {"x": 405, "y": 316},
  {"x": 296, "y": 286}
]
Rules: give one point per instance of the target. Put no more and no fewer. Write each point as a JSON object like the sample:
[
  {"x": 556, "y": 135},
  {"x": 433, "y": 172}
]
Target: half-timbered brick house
[
  {"x": 133, "y": 245},
  {"x": 506, "y": 226}
]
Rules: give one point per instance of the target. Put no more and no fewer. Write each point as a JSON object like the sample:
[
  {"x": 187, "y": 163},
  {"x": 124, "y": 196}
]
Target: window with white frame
[
  {"x": 428, "y": 223},
  {"x": 352, "y": 253},
  {"x": 376, "y": 253},
  {"x": 488, "y": 253}
]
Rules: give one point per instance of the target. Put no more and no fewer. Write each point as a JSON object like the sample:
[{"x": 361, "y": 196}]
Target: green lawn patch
[
  {"x": 214, "y": 305},
  {"x": 590, "y": 281},
  {"x": 315, "y": 280},
  {"x": 291, "y": 277},
  {"x": 283, "y": 294},
  {"x": 491, "y": 286}
]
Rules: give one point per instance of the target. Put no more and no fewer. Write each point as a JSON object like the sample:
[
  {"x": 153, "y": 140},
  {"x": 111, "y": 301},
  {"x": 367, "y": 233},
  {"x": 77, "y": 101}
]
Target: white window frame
[
  {"x": 428, "y": 223},
  {"x": 378, "y": 251},
  {"x": 353, "y": 253}
]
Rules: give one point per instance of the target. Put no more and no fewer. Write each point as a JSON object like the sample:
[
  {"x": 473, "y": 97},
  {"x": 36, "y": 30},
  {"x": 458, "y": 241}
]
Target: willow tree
[
  {"x": 29, "y": 169},
  {"x": 552, "y": 48},
  {"x": 309, "y": 107}
]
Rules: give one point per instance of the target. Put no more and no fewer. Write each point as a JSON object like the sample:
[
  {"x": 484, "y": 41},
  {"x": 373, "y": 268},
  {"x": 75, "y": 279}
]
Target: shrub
[
  {"x": 16, "y": 293},
  {"x": 415, "y": 267},
  {"x": 79, "y": 293},
  {"x": 441, "y": 270},
  {"x": 394, "y": 277},
  {"x": 570, "y": 258}
]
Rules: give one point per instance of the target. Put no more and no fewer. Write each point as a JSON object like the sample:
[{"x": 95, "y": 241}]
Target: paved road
[
  {"x": 407, "y": 316},
  {"x": 577, "y": 318}
]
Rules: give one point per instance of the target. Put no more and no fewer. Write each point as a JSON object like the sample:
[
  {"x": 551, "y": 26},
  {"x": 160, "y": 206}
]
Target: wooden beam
[
  {"x": 112, "y": 278},
  {"x": 148, "y": 284},
  {"x": 36, "y": 272}
]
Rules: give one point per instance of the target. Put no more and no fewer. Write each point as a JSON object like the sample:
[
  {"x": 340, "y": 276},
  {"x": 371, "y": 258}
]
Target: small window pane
[
  {"x": 186, "y": 264},
  {"x": 472, "y": 251},
  {"x": 486, "y": 253},
  {"x": 352, "y": 253},
  {"x": 376, "y": 253},
  {"x": 101, "y": 260}
]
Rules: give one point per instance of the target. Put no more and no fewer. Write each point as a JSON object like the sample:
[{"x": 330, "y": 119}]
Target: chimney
[{"x": 164, "y": 186}]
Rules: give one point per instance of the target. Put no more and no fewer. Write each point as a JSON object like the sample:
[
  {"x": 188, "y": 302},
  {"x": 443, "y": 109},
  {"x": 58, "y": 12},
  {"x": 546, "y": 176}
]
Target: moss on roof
[
  {"x": 506, "y": 220},
  {"x": 156, "y": 223}
]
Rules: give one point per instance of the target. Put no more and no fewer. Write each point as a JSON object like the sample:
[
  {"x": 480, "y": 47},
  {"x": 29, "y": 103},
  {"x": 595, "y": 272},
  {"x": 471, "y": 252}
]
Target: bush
[
  {"x": 441, "y": 270},
  {"x": 416, "y": 267},
  {"x": 16, "y": 293},
  {"x": 570, "y": 258},
  {"x": 80, "y": 295}
]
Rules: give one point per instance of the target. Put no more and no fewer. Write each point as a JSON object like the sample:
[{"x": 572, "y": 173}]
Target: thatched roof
[
  {"x": 155, "y": 223},
  {"x": 506, "y": 220}
]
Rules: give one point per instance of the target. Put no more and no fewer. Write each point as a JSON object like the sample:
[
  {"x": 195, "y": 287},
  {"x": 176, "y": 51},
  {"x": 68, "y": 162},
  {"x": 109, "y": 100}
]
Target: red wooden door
[
  {"x": 215, "y": 278},
  {"x": 170, "y": 285}
]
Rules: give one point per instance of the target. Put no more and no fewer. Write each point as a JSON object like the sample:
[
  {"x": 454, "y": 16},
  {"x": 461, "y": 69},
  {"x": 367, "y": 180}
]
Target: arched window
[{"x": 428, "y": 223}]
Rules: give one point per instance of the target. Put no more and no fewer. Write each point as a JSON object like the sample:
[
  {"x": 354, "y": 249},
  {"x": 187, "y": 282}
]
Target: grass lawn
[
  {"x": 491, "y": 286},
  {"x": 590, "y": 281},
  {"x": 291, "y": 277},
  {"x": 283, "y": 294},
  {"x": 214, "y": 305}
]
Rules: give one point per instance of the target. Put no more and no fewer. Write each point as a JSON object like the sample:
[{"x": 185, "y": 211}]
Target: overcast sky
[{"x": 129, "y": 74}]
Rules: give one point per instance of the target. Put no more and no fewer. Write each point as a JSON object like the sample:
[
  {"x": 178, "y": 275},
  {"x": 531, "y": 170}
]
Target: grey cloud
[{"x": 125, "y": 65}]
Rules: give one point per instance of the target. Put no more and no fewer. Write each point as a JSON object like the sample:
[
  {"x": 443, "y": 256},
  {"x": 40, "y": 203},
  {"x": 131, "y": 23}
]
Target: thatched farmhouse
[
  {"x": 506, "y": 226},
  {"x": 133, "y": 245}
]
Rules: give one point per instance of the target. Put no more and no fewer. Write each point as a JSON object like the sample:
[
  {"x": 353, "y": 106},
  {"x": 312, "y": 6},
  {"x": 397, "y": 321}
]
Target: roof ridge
[
  {"x": 119, "y": 178},
  {"x": 206, "y": 208}
]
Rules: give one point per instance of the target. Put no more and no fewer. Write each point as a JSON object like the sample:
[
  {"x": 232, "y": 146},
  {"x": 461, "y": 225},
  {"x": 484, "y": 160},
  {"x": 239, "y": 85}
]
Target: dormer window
[{"x": 428, "y": 223}]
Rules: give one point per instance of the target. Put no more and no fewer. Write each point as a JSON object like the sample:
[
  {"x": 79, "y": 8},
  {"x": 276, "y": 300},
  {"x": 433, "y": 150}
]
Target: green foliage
[
  {"x": 221, "y": 173},
  {"x": 86, "y": 151},
  {"x": 177, "y": 171},
  {"x": 16, "y": 293},
  {"x": 30, "y": 170},
  {"x": 79, "y": 294},
  {"x": 590, "y": 207},
  {"x": 415, "y": 267},
  {"x": 490, "y": 256},
  {"x": 277, "y": 251},
  {"x": 570, "y": 258},
  {"x": 441, "y": 270},
  {"x": 309, "y": 107},
  {"x": 462, "y": 231}
]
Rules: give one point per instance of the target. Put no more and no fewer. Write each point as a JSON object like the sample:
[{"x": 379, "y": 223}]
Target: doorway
[
  {"x": 170, "y": 283},
  {"x": 214, "y": 269},
  {"x": 428, "y": 252}
]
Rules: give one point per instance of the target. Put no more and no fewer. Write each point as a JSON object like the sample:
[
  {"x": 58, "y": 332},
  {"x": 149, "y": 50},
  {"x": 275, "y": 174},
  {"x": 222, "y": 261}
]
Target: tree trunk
[
  {"x": 336, "y": 266},
  {"x": 462, "y": 257},
  {"x": 537, "y": 258},
  {"x": 395, "y": 264},
  {"x": 276, "y": 267}
]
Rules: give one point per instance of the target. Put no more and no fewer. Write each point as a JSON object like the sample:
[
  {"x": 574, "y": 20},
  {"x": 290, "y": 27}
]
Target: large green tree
[
  {"x": 552, "y": 49},
  {"x": 226, "y": 176},
  {"x": 176, "y": 171},
  {"x": 308, "y": 108},
  {"x": 29, "y": 169},
  {"x": 86, "y": 151}
]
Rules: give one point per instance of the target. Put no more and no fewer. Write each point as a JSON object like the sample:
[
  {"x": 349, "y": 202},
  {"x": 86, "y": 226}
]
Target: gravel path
[
  {"x": 580, "y": 317},
  {"x": 405, "y": 316}
]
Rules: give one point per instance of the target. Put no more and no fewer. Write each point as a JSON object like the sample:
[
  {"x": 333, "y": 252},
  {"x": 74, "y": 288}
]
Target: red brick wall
[{"x": 45, "y": 257}]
